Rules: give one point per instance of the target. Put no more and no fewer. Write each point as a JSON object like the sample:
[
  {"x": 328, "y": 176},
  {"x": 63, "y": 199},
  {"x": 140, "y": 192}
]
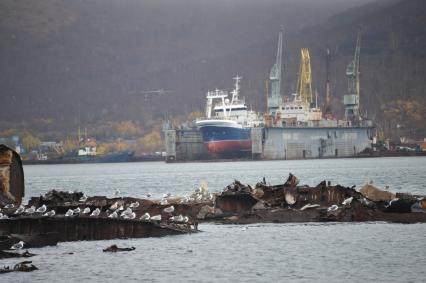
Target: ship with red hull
[{"x": 227, "y": 131}]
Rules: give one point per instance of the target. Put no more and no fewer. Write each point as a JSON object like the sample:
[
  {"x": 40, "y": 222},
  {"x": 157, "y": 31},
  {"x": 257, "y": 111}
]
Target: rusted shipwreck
[
  {"x": 46, "y": 220},
  {"x": 288, "y": 202},
  {"x": 70, "y": 216}
]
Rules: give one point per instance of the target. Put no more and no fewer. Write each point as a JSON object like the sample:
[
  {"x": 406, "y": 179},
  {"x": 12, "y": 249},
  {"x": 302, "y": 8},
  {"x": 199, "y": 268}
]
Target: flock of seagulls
[{"x": 118, "y": 209}]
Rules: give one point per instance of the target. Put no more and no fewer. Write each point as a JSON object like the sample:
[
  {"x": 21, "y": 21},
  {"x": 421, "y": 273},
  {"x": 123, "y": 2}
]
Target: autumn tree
[
  {"x": 404, "y": 118},
  {"x": 30, "y": 142},
  {"x": 152, "y": 141},
  {"x": 128, "y": 129}
]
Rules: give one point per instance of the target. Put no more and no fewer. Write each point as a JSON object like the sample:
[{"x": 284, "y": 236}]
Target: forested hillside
[{"x": 65, "y": 64}]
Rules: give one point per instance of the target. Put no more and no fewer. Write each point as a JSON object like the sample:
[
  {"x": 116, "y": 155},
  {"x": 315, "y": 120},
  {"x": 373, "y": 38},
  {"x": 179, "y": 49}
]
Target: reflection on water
[{"x": 332, "y": 252}]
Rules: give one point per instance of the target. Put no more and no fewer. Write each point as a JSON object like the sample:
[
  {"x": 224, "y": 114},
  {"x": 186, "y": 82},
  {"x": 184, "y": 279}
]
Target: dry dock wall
[
  {"x": 184, "y": 145},
  {"x": 278, "y": 143},
  {"x": 312, "y": 142}
]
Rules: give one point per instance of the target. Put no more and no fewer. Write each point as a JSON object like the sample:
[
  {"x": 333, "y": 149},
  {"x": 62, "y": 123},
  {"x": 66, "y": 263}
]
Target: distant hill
[{"x": 78, "y": 62}]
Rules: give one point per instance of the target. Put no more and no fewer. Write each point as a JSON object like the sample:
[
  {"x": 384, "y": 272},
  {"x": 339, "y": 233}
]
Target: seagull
[
  {"x": 134, "y": 204},
  {"x": 83, "y": 198},
  {"x": 77, "y": 210},
  {"x": 145, "y": 216},
  {"x": 347, "y": 201},
  {"x": 156, "y": 217},
  {"x": 127, "y": 212},
  {"x": 42, "y": 209},
  {"x": 10, "y": 205},
  {"x": 17, "y": 246},
  {"x": 148, "y": 195},
  {"x": 4, "y": 216},
  {"x": 169, "y": 209},
  {"x": 20, "y": 209},
  {"x": 70, "y": 212},
  {"x": 114, "y": 206},
  {"x": 164, "y": 202},
  {"x": 185, "y": 219},
  {"x": 86, "y": 210},
  {"x": 177, "y": 218},
  {"x": 113, "y": 215},
  {"x": 30, "y": 210},
  {"x": 95, "y": 212},
  {"x": 130, "y": 216},
  {"x": 117, "y": 192},
  {"x": 50, "y": 213},
  {"x": 332, "y": 208},
  {"x": 309, "y": 206}
]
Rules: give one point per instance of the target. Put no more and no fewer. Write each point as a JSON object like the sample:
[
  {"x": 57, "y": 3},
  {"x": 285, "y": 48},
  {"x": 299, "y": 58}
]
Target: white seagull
[
  {"x": 127, "y": 212},
  {"x": 169, "y": 209},
  {"x": 20, "y": 209},
  {"x": 156, "y": 217},
  {"x": 332, "y": 208},
  {"x": 130, "y": 216},
  {"x": 17, "y": 246},
  {"x": 50, "y": 213},
  {"x": 95, "y": 212},
  {"x": 4, "y": 216},
  {"x": 178, "y": 218},
  {"x": 164, "y": 201},
  {"x": 70, "y": 212},
  {"x": 86, "y": 210},
  {"x": 113, "y": 215},
  {"x": 42, "y": 209},
  {"x": 145, "y": 216},
  {"x": 134, "y": 204},
  {"x": 30, "y": 210},
  {"x": 114, "y": 206},
  {"x": 347, "y": 201},
  {"x": 77, "y": 210},
  {"x": 83, "y": 198}
]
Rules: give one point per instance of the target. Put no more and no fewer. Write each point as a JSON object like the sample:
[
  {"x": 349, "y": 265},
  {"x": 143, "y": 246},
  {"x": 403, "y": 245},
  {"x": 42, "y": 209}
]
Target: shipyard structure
[{"x": 292, "y": 128}]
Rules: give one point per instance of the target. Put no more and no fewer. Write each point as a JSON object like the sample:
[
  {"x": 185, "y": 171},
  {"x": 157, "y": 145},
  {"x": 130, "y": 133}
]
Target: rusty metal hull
[
  {"x": 88, "y": 228},
  {"x": 12, "y": 187}
]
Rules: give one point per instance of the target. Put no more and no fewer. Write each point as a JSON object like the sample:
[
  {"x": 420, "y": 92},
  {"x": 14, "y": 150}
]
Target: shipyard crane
[
  {"x": 351, "y": 99},
  {"x": 275, "y": 99},
  {"x": 150, "y": 93},
  {"x": 304, "y": 83},
  {"x": 327, "y": 107}
]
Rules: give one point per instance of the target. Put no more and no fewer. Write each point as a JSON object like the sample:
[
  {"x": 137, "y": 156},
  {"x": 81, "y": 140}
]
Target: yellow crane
[{"x": 304, "y": 83}]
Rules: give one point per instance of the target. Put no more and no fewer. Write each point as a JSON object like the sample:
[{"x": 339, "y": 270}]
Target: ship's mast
[
  {"x": 236, "y": 90},
  {"x": 351, "y": 100},
  {"x": 275, "y": 99}
]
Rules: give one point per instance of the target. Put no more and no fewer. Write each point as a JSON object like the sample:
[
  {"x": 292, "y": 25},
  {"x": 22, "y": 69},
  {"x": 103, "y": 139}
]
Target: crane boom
[
  {"x": 351, "y": 100},
  {"x": 275, "y": 99},
  {"x": 304, "y": 83}
]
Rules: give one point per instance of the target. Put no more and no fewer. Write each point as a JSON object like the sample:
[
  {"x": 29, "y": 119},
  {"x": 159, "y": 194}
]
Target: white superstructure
[{"x": 234, "y": 109}]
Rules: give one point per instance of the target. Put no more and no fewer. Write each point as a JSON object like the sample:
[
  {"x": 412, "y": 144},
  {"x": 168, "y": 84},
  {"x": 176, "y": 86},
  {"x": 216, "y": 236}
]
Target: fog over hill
[{"x": 78, "y": 62}]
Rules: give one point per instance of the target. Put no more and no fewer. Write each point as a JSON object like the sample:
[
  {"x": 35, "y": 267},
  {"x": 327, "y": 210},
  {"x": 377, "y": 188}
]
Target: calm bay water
[{"x": 329, "y": 252}]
